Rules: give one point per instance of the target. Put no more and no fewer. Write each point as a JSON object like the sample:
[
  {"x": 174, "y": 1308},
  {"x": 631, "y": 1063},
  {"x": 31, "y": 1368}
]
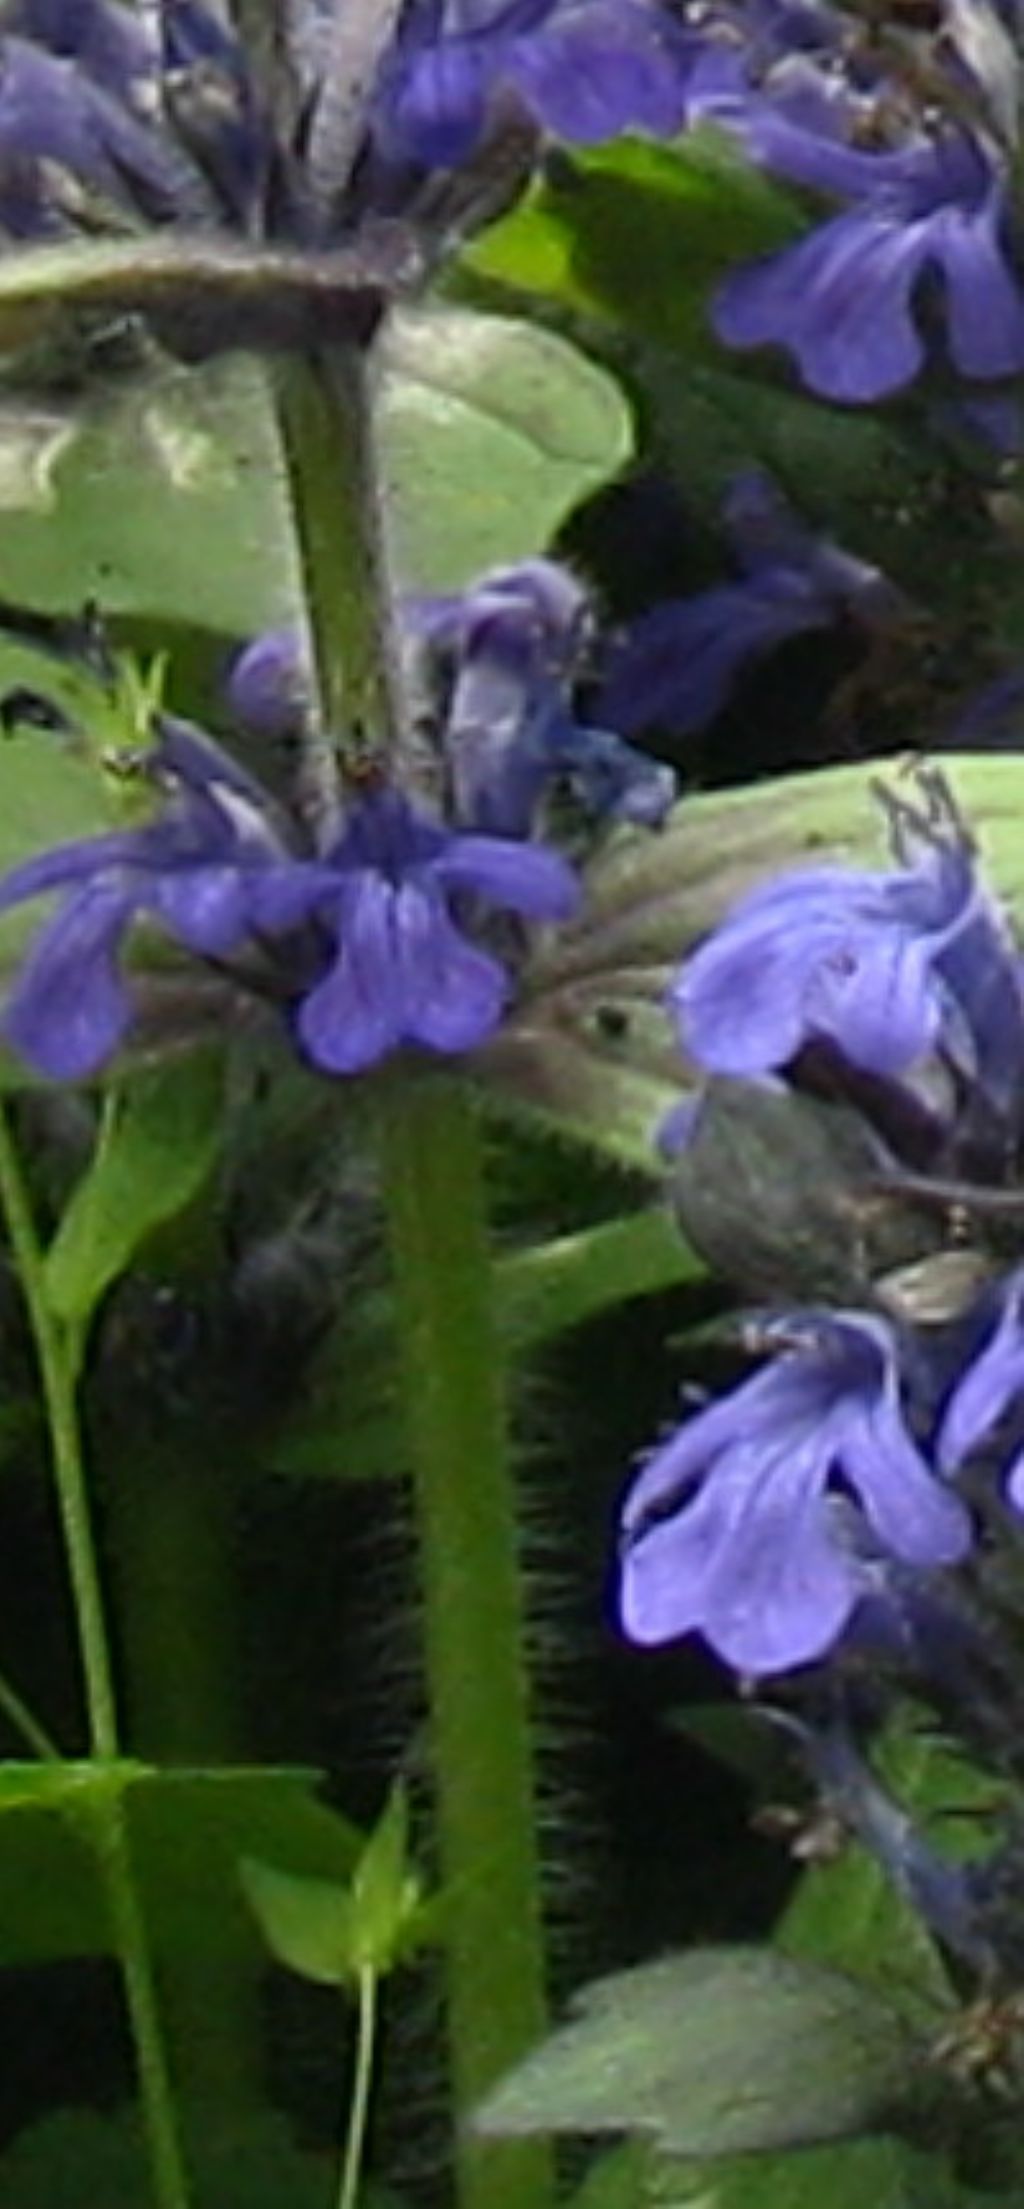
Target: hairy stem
[
  {"x": 473, "y": 1611},
  {"x": 325, "y": 416},
  {"x": 452, "y": 1367},
  {"x": 25, "y": 1723}
]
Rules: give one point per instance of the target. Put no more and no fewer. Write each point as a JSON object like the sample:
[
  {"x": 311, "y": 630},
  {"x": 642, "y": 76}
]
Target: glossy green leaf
[
  {"x": 159, "y": 1137},
  {"x": 165, "y": 497},
  {"x": 638, "y": 231},
  {"x": 715, "y": 2052},
  {"x": 590, "y": 1050}
]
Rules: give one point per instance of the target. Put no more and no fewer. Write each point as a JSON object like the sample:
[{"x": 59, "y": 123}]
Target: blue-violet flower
[
  {"x": 368, "y": 944},
  {"x": 584, "y": 70},
  {"x": 729, "y": 1529},
  {"x": 676, "y": 664},
  {"x": 887, "y": 966}
]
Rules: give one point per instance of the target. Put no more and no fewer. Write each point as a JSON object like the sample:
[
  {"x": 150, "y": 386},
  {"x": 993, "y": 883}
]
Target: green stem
[
  {"x": 35, "y": 1736},
  {"x": 156, "y": 2091},
  {"x": 59, "y": 1351},
  {"x": 172, "y": 1504},
  {"x": 473, "y": 1611},
  {"x": 324, "y": 404},
  {"x": 432, "y": 1179},
  {"x": 362, "y": 2081}
]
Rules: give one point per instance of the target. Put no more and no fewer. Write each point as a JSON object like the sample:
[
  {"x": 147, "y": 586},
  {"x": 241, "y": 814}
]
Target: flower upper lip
[
  {"x": 728, "y": 1529},
  {"x": 371, "y": 938}
]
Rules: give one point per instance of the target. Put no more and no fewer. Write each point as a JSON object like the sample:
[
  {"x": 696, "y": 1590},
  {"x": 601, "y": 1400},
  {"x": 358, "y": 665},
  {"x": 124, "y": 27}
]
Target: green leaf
[
  {"x": 240, "y": 2163},
  {"x": 348, "y": 1425},
  {"x": 493, "y": 431},
  {"x": 306, "y": 1923},
  {"x": 875, "y": 484},
  {"x": 187, "y": 1830},
  {"x": 159, "y": 1137},
  {"x": 858, "y": 2174},
  {"x": 545, "y": 1290},
  {"x": 50, "y": 793},
  {"x": 638, "y": 232},
  {"x": 590, "y": 1050},
  {"x": 79, "y": 1789},
  {"x": 619, "y": 2179},
  {"x": 333, "y": 1934},
  {"x": 716, "y": 2052},
  {"x": 736, "y": 1737},
  {"x": 166, "y": 497},
  {"x": 847, "y": 1913},
  {"x": 633, "y": 238}
]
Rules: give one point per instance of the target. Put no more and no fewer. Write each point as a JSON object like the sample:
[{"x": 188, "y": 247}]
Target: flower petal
[
  {"x": 984, "y": 301},
  {"x": 353, "y": 1017},
  {"x": 69, "y": 1009},
  {"x": 677, "y": 663},
  {"x": 914, "y": 1516},
  {"x": 206, "y": 908},
  {"x": 453, "y": 994},
  {"x": 749, "y": 1564},
  {"x": 991, "y": 1383},
  {"x": 840, "y": 301},
  {"x": 516, "y": 877},
  {"x": 599, "y": 69}
]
